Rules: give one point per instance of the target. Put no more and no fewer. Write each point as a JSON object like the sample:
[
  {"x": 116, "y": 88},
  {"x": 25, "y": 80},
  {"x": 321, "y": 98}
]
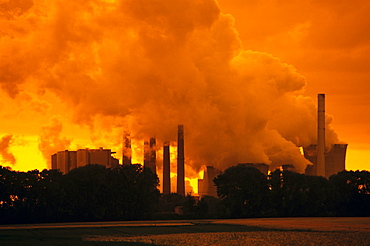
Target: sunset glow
[{"x": 241, "y": 76}]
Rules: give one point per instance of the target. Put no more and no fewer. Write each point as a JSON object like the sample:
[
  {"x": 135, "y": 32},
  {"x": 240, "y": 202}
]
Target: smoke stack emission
[
  {"x": 166, "y": 168},
  {"x": 184, "y": 64},
  {"x": 126, "y": 151},
  {"x": 321, "y": 135},
  {"x": 180, "y": 161}
]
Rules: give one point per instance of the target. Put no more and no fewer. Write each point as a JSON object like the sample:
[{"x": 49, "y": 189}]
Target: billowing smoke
[
  {"x": 145, "y": 66},
  {"x": 7, "y": 156},
  {"x": 51, "y": 140}
]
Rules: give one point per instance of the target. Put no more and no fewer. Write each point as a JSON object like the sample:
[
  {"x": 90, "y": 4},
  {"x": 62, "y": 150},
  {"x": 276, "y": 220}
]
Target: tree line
[
  {"x": 246, "y": 192},
  {"x": 88, "y": 193},
  {"x": 130, "y": 192}
]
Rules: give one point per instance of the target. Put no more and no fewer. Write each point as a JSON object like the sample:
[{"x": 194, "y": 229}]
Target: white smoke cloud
[
  {"x": 5, "y": 153},
  {"x": 51, "y": 140},
  {"x": 147, "y": 66}
]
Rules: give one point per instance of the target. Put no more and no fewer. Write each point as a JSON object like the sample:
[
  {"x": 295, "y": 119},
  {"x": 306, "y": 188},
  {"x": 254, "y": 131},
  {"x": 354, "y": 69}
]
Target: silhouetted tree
[
  {"x": 243, "y": 190},
  {"x": 84, "y": 196},
  {"x": 135, "y": 191},
  {"x": 87, "y": 193},
  {"x": 294, "y": 194},
  {"x": 51, "y": 196},
  {"x": 351, "y": 193},
  {"x": 30, "y": 196},
  {"x": 124, "y": 193}
]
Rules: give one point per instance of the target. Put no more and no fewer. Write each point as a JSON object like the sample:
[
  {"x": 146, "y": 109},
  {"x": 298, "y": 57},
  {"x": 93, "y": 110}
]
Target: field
[{"x": 271, "y": 231}]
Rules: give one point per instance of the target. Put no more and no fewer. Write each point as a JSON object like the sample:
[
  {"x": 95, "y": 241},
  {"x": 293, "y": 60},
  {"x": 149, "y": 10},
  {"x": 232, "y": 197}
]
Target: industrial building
[{"x": 66, "y": 160}]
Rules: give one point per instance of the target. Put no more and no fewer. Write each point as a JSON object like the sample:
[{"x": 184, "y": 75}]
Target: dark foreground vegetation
[
  {"x": 89, "y": 193},
  {"x": 246, "y": 192},
  {"x": 129, "y": 192}
]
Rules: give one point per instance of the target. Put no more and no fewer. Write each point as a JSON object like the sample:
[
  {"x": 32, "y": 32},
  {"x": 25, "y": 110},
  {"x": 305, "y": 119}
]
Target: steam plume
[
  {"x": 147, "y": 66},
  {"x": 51, "y": 140},
  {"x": 5, "y": 143}
]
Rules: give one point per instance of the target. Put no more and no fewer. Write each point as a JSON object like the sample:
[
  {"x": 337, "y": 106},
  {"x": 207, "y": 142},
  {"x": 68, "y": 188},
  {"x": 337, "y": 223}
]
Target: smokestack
[
  {"x": 150, "y": 154},
  {"x": 153, "y": 155},
  {"x": 146, "y": 154},
  {"x": 321, "y": 135},
  {"x": 180, "y": 161},
  {"x": 126, "y": 151},
  {"x": 166, "y": 168}
]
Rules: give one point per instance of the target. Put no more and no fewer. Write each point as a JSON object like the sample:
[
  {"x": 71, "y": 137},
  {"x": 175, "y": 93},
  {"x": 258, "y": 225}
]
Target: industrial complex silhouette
[{"x": 325, "y": 161}]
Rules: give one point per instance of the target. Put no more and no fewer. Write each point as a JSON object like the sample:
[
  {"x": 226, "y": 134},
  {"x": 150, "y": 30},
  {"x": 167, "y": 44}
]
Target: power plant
[
  {"x": 326, "y": 160},
  {"x": 66, "y": 160}
]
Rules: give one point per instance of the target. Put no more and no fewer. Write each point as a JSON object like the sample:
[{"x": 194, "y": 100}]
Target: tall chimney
[
  {"x": 153, "y": 155},
  {"x": 126, "y": 151},
  {"x": 150, "y": 154},
  {"x": 180, "y": 161},
  {"x": 146, "y": 154},
  {"x": 166, "y": 168},
  {"x": 321, "y": 135}
]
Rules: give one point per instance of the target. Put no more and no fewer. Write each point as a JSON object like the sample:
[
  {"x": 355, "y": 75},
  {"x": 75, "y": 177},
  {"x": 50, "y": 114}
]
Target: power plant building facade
[{"x": 66, "y": 160}]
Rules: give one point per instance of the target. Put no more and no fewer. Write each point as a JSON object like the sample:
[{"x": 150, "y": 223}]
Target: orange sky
[
  {"x": 328, "y": 42},
  {"x": 77, "y": 74}
]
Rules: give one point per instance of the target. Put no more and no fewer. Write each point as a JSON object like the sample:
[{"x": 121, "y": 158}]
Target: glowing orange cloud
[{"x": 78, "y": 74}]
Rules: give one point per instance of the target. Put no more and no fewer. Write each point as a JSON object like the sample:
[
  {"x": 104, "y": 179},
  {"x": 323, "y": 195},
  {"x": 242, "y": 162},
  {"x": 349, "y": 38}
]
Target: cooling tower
[
  {"x": 166, "y": 168},
  {"x": 206, "y": 186},
  {"x": 321, "y": 135},
  {"x": 335, "y": 159},
  {"x": 180, "y": 161},
  {"x": 126, "y": 151}
]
